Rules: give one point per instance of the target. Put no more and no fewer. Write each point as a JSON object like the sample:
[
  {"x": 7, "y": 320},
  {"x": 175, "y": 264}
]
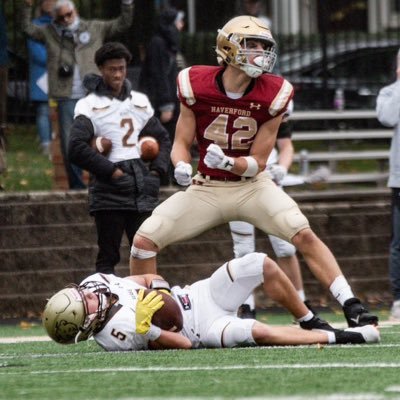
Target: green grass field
[
  {"x": 28, "y": 169},
  {"x": 45, "y": 370}
]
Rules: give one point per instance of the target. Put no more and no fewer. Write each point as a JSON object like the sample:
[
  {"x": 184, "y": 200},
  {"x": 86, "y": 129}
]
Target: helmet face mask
[
  {"x": 94, "y": 320},
  {"x": 232, "y": 46},
  {"x": 67, "y": 317}
]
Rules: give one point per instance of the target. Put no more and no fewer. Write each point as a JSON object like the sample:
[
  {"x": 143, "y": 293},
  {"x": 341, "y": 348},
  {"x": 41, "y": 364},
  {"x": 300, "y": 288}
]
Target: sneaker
[
  {"x": 45, "y": 149},
  {"x": 395, "y": 311},
  {"x": 361, "y": 334},
  {"x": 357, "y": 315},
  {"x": 245, "y": 312},
  {"x": 316, "y": 323}
]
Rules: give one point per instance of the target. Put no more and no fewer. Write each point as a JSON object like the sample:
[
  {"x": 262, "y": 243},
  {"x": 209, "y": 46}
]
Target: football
[
  {"x": 169, "y": 316},
  {"x": 102, "y": 145},
  {"x": 148, "y": 148}
]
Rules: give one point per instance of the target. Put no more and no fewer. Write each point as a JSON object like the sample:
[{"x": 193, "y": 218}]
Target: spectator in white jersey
[
  {"x": 117, "y": 314},
  {"x": 123, "y": 189}
]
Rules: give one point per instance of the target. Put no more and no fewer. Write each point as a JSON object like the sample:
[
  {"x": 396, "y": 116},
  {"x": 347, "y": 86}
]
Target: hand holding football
[
  {"x": 148, "y": 148},
  {"x": 101, "y": 144},
  {"x": 169, "y": 316}
]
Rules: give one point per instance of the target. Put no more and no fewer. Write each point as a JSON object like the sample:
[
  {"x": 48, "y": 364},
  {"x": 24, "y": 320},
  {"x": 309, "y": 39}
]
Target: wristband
[
  {"x": 160, "y": 284},
  {"x": 99, "y": 146},
  {"x": 252, "y": 167},
  {"x": 227, "y": 163},
  {"x": 154, "y": 333}
]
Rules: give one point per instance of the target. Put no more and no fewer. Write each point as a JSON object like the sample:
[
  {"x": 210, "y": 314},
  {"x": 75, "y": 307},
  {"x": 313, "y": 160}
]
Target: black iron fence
[{"x": 348, "y": 49}]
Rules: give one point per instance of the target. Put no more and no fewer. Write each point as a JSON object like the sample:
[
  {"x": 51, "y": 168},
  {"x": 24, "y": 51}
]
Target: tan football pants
[{"x": 208, "y": 203}]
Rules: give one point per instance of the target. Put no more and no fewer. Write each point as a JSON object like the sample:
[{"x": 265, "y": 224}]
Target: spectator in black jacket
[
  {"x": 123, "y": 190},
  {"x": 160, "y": 69}
]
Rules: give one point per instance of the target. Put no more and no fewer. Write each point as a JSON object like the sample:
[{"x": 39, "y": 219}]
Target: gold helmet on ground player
[
  {"x": 67, "y": 318},
  {"x": 232, "y": 45}
]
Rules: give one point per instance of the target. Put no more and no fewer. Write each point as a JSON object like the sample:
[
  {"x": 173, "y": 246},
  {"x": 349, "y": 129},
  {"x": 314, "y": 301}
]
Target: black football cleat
[
  {"x": 245, "y": 312},
  {"x": 359, "y": 335},
  {"x": 316, "y": 323},
  {"x": 357, "y": 315},
  {"x": 307, "y": 303}
]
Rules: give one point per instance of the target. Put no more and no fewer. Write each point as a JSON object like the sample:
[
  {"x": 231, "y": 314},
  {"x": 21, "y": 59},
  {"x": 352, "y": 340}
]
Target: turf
[{"x": 45, "y": 370}]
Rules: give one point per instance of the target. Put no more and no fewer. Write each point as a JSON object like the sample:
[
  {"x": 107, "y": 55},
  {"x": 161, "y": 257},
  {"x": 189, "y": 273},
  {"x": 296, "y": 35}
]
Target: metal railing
[{"x": 306, "y": 156}]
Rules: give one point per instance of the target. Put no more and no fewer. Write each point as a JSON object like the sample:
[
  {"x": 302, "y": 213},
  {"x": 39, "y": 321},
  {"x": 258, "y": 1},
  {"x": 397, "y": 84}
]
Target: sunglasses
[{"x": 65, "y": 16}]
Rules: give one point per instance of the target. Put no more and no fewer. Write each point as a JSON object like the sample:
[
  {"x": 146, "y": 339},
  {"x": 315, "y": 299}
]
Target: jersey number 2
[{"x": 127, "y": 122}]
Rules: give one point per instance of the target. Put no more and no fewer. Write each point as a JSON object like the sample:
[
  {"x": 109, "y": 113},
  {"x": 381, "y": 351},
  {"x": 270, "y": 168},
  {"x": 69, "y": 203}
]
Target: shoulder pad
[
  {"x": 185, "y": 86},
  {"x": 141, "y": 102},
  {"x": 281, "y": 99},
  {"x": 90, "y": 104}
]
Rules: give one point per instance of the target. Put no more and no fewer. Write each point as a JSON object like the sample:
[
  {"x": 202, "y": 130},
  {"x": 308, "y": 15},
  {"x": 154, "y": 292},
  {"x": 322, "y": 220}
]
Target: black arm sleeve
[
  {"x": 82, "y": 154},
  {"x": 154, "y": 128},
  {"x": 285, "y": 130}
]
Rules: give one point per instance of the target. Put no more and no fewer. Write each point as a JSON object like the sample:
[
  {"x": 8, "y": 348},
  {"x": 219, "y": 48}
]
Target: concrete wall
[{"x": 47, "y": 240}]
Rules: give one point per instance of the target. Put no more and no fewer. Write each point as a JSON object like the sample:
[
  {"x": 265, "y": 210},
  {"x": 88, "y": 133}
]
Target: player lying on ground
[{"x": 118, "y": 315}]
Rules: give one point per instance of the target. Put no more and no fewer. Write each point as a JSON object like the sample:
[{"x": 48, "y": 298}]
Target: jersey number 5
[{"x": 119, "y": 335}]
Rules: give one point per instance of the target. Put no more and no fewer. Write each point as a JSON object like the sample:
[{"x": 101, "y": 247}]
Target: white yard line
[
  {"x": 24, "y": 339},
  {"x": 337, "y": 396},
  {"x": 319, "y": 366}
]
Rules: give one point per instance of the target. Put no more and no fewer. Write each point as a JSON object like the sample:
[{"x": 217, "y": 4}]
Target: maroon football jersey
[{"x": 230, "y": 123}]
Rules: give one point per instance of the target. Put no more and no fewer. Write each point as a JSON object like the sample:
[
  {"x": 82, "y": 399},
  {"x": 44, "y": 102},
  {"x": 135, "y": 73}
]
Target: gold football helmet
[
  {"x": 231, "y": 45},
  {"x": 66, "y": 317}
]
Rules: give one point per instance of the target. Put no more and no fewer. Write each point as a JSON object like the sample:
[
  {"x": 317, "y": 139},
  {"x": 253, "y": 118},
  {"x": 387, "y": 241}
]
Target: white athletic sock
[
  {"x": 309, "y": 316},
  {"x": 331, "y": 337},
  {"x": 341, "y": 290},
  {"x": 301, "y": 295}
]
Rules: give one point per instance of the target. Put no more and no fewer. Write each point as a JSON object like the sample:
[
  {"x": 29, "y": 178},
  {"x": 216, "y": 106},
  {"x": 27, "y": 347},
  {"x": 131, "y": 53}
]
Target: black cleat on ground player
[
  {"x": 245, "y": 312},
  {"x": 316, "y": 323},
  {"x": 309, "y": 306},
  {"x": 357, "y": 315},
  {"x": 307, "y": 303},
  {"x": 361, "y": 334}
]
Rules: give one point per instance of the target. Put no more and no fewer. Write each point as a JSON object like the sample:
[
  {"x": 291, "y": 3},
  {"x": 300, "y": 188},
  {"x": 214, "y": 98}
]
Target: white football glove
[
  {"x": 277, "y": 172},
  {"x": 215, "y": 158},
  {"x": 183, "y": 173}
]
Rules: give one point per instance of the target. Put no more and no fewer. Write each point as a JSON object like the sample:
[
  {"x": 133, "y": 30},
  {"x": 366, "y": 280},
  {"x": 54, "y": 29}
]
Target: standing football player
[
  {"x": 234, "y": 111},
  {"x": 120, "y": 317},
  {"x": 123, "y": 190}
]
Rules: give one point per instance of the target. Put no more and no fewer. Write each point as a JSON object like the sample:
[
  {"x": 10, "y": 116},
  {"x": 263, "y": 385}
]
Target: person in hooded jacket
[
  {"x": 123, "y": 189},
  {"x": 160, "y": 70},
  {"x": 38, "y": 83}
]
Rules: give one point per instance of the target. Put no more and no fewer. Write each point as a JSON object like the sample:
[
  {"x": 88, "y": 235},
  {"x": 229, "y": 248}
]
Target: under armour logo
[{"x": 257, "y": 106}]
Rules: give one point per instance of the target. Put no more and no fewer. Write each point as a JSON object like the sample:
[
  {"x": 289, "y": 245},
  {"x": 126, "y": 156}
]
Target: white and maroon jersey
[
  {"x": 184, "y": 298},
  {"x": 118, "y": 332},
  {"x": 119, "y": 121},
  {"x": 230, "y": 123}
]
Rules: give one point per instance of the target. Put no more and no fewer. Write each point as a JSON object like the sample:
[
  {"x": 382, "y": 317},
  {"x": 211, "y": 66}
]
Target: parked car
[{"x": 358, "y": 70}]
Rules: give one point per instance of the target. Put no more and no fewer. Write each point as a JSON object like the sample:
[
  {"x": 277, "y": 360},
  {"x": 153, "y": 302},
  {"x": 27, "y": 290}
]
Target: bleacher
[{"x": 307, "y": 158}]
